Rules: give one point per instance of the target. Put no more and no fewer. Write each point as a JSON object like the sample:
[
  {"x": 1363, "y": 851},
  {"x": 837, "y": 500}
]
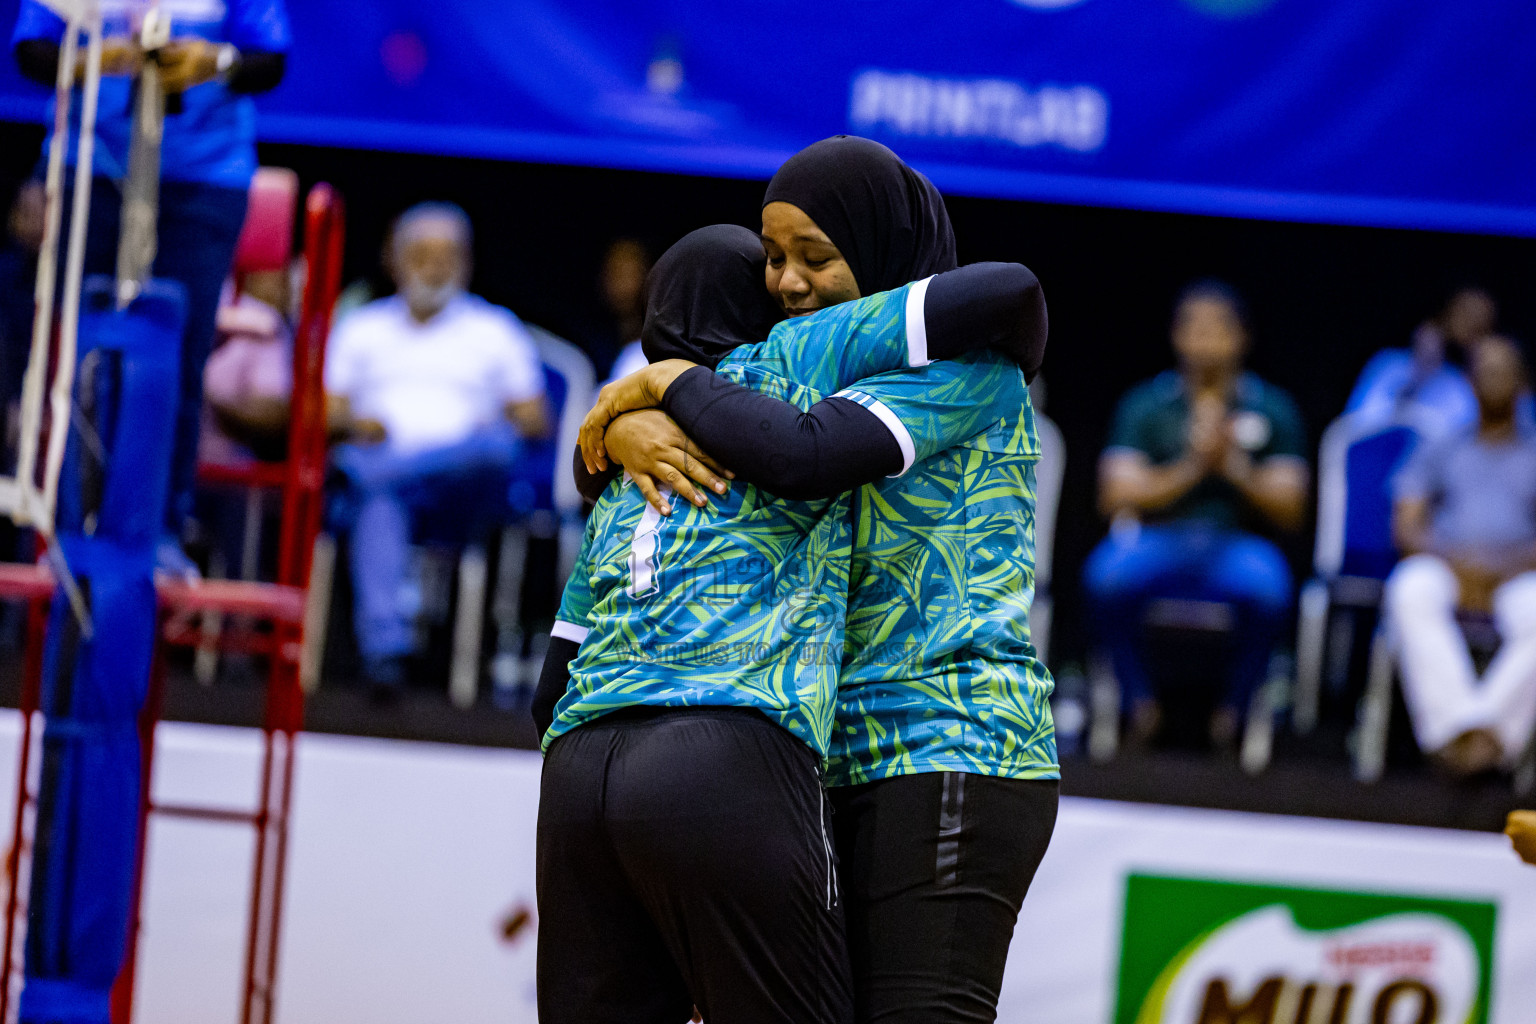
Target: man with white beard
[{"x": 436, "y": 390}]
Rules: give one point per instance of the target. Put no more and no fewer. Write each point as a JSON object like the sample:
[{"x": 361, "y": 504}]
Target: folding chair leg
[
  {"x": 1259, "y": 734},
  {"x": 1340, "y": 647},
  {"x": 317, "y": 611},
  {"x": 507, "y": 665},
  {"x": 569, "y": 548},
  {"x": 205, "y": 663},
  {"x": 1104, "y": 710},
  {"x": 1311, "y": 643},
  {"x": 464, "y": 675},
  {"x": 250, "y": 540},
  {"x": 1370, "y": 740}
]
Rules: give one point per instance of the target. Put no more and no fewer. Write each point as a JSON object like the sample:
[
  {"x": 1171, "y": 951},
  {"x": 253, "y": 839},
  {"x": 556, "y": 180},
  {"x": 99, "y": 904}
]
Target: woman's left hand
[
  {"x": 642, "y": 389},
  {"x": 656, "y": 453}
]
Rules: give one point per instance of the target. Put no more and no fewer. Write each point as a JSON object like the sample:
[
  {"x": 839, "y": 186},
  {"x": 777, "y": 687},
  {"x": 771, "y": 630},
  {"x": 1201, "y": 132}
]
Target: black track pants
[
  {"x": 685, "y": 857},
  {"x": 934, "y": 870}
]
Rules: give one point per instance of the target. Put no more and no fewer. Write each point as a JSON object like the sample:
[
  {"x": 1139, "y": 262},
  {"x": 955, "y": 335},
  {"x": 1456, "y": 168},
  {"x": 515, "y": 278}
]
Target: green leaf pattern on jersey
[
  {"x": 750, "y": 595},
  {"x": 938, "y": 672}
]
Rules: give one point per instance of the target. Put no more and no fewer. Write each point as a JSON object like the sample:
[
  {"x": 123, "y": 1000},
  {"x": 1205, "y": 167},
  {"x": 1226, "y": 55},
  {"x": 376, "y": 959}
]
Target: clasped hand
[{"x": 626, "y": 426}]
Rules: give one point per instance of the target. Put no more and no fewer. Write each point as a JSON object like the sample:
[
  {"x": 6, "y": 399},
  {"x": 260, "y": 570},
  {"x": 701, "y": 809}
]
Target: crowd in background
[
  {"x": 437, "y": 404},
  {"x": 1207, "y": 465}
]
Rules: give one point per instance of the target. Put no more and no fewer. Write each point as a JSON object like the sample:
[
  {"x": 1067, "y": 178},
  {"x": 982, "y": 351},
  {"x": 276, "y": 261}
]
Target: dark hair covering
[
  {"x": 887, "y": 220},
  {"x": 705, "y": 296}
]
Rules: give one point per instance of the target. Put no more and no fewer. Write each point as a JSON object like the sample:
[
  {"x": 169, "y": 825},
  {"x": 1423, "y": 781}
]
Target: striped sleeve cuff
[
  {"x": 569, "y": 631},
  {"x": 917, "y": 326},
  {"x": 892, "y": 423}
]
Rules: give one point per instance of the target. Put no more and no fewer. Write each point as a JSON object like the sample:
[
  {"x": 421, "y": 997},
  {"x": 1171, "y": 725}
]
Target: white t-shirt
[{"x": 432, "y": 384}]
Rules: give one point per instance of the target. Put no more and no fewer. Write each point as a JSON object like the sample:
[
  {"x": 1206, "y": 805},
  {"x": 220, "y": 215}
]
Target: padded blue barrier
[{"x": 111, "y": 504}]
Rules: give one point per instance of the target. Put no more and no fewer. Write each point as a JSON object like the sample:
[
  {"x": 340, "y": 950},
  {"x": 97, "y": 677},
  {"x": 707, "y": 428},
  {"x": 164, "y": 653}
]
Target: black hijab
[
  {"x": 705, "y": 296},
  {"x": 887, "y": 220}
]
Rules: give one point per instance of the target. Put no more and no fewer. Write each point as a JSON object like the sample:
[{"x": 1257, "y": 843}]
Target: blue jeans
[
  {"x": 198, "y": 228},
  {"x": 388, "y": 494},
  {"x": 1193, "y": 562}
]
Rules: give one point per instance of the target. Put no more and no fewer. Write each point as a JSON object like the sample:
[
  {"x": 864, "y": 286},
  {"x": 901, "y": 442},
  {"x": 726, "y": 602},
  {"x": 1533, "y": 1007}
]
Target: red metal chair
[
  {"x": 266, "y": 244},
  {"x": 276, "y": 617}
]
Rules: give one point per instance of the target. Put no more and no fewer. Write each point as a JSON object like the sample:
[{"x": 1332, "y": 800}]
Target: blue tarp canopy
[{"x": 1368, "y": 112}]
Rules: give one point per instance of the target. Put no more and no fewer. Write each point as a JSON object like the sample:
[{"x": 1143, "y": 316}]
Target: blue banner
[{"x": 1382, "y": 112}]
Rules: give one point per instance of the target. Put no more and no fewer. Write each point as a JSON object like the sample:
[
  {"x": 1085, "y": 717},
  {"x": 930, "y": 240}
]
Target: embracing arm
[
  {"x": 997, "y": 306},
  {"x": 576, "y": 603},
  {"x": 553, "y": 680},
  {"x": 838, "y": 444},
  {"x": 833, "y": 447}
]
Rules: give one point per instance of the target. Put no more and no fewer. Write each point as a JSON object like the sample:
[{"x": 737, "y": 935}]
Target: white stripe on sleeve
[
  {"x": 917, "y": 327},
  {"x": 569, "y": 631},
  {"x": 892, "y": 423}
]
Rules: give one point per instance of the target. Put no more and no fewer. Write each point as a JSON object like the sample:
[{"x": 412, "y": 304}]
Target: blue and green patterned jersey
[
  {"x": 742, "y": 603},
  {"x": 938, "y": 670}
]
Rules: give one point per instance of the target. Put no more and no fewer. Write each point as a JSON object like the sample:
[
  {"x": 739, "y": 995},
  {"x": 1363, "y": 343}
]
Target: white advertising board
[{"x": 409, "y": 860}]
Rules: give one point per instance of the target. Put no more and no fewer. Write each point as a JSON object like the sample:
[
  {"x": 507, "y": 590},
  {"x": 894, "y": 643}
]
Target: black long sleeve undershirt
[
  {"x": 553, "y": 679},
  {"x": 837, "y": 444},
  {"x": 832, "y": 447},
  {"x": 255, "y": 71}
]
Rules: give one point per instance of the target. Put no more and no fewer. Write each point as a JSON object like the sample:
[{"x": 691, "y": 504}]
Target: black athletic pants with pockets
[
  {"x": 685, "y": 857},
  {"x": 934, "y": 870}
]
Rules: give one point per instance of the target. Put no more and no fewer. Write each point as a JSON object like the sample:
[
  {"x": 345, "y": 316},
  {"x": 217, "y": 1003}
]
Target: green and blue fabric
[
  {"x": 741, "y": 604},
  {"x": 939, "y": 673}
]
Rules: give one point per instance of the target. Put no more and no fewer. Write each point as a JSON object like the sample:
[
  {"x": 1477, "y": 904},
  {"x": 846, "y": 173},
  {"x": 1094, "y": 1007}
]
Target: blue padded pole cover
[{"x": 94, "y": 689}]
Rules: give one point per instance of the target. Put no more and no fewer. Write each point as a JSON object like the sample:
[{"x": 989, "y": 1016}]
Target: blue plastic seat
[
  {"x": 1355, "y": 550},
  {"x": 542, "y": 503}
]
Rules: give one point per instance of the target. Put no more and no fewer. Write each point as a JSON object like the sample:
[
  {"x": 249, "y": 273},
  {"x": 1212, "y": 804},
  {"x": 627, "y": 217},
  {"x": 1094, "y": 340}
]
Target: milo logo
[{"x": 1207, "y": 952}]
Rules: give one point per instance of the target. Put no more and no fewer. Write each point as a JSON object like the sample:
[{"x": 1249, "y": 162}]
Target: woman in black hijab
[
  {"x": 945, "y": 804},
  {"x": 678, "y": 795},
  {"x": 684, "y": 853},
  {"x": 886, "y": 220},
  {"x": 704, "y": 297}
]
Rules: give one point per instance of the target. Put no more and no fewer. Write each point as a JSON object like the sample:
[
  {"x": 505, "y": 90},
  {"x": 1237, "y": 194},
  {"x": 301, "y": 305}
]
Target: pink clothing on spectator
[{"x": 253, "y": 361}]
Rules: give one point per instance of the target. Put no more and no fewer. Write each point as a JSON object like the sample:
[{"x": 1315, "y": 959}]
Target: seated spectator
[
  {"x": 1198, "y": 459},
  {"x": 438, "y": 387},
  {"x": 615, "y": 320},
  {"x": 1425, "y": 382},
  {"x": 249, "y": 378},
  {"x": 1465, "y": 516}
]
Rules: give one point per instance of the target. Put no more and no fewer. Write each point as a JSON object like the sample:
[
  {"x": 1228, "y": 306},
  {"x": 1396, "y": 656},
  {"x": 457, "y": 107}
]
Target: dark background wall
[{"x": 1322, "y": 298}]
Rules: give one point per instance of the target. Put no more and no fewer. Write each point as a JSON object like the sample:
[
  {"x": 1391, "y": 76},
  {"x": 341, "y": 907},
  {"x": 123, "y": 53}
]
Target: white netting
[{"x": 31, "y": 496}]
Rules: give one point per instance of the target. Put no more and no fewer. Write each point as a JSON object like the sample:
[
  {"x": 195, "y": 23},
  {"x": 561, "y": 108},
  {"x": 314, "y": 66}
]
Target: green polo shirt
[{"x": 1153, "y": 419}]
